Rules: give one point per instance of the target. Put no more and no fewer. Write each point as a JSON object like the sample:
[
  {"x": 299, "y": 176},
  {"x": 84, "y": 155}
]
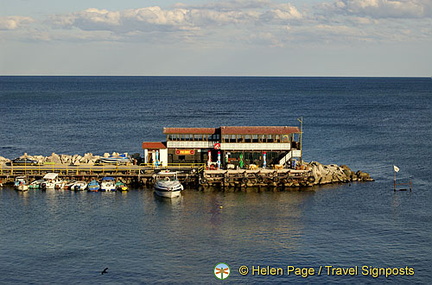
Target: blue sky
[{"x": 194, "y": 37}]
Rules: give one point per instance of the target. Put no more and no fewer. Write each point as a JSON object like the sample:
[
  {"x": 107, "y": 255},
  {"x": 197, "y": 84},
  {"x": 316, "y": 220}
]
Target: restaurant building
[{"x": 228, "y": 146}]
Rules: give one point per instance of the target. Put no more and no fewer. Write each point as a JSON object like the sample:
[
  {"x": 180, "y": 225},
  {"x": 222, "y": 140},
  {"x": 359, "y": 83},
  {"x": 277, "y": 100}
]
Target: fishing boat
[
  {"x": 79, "y": 186},
  {"x": 51, "y": 181},
  {"x": 21, "y": 183},
  {"x": 167, "y": 184},
  {"x": 93, "y": 186},
  {"x": 108, "y": 184},
  {"x": 120, "y": 186}
]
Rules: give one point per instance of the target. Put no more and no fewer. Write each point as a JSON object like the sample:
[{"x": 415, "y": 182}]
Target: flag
[{"x": 396, "y": 169}]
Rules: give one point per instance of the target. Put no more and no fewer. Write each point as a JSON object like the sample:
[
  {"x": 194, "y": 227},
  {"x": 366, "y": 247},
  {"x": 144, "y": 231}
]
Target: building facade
[{"x": 227, "y": 146}]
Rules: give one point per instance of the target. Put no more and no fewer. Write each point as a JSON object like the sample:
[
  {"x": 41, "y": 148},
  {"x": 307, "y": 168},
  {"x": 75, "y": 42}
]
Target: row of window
[
  {"x": 193, "y": 137},
  {"x": 232, "y": 138}
]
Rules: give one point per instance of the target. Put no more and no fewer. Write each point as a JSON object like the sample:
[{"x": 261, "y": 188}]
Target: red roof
[
  {"x": 206, "y": 131},
  {"x": 262, "y": 130},
  {"x": 153, "y": 145}
]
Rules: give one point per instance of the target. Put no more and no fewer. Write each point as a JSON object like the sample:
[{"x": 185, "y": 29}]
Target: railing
[{"x": 83, "y": 169}]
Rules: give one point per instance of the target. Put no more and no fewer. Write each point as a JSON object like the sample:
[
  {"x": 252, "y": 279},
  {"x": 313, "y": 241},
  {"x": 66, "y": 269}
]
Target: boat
[
  {"x": 68, "y": 184},
  {"x": 108, "y": 184},
  {"x": 118, "y": 160},
  {"x": 21, "y": 183},
  {"x": 93, "y": 186},
  {"x": 79, "y": 186},
  {"x": 36, "y": 184},
  {"x": 120, "y": 186},
  {"x": 51, "y": 181},
  {"x": 167, "y": 184}
]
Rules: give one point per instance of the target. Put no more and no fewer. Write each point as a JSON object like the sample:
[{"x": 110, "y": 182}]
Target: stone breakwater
[
  {"x": 326, "y": 174},
  {"x": 86, "y": 159}
]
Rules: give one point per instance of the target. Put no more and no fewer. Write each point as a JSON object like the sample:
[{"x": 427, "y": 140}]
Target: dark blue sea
[{"x": 369, "y": 124}]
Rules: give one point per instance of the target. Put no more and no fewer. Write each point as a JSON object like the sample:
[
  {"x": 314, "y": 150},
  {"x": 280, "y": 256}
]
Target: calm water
[{"x": 367, "y": 123}]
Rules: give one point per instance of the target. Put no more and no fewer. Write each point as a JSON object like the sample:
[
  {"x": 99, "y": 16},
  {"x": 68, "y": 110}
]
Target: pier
[{"x": 129, "y": 174}]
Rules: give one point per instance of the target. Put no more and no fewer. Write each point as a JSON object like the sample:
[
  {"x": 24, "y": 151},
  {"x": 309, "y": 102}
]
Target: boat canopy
[
  {"x": 108, "y": 178},
  {"x": 50, "y": 176}
]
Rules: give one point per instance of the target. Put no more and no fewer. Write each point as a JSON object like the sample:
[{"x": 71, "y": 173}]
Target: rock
[
  {"x": 4, "y": 160},
  {"x": 55, "y": 158}
]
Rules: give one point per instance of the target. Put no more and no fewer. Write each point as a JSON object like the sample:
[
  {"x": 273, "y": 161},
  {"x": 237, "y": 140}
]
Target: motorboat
[
  {"x": 51, "y": 181},
  {"x": 120, "y": 186},
  {"x": 68, "y": 184},
  {"x": 79, "y": 186},
  {"x": 36, "y": 184},
  {"x": 167, "y": 184},
  {"x": 93, "y": 186},
  {"x": 118, "y": 159},
  {"x": 108, "y": 184},
  {"x": 21, "y": 183}
]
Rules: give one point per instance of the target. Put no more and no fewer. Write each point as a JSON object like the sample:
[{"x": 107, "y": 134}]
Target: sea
[{"x": 352, "y": 233}]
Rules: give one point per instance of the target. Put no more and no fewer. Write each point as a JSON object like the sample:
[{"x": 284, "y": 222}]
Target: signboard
[
  {"x": 217, "y": 146},
  {"x": 185, "y": 152}
]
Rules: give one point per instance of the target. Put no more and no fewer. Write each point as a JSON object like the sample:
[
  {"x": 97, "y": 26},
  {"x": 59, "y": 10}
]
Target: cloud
[
  {"x": 14, "y": 22},
  {"x": 383, "y": 8},
  {"x": 242, "y": 22}
]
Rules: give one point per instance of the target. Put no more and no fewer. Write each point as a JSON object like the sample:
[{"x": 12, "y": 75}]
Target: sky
[{"x": 216, "y": 38}]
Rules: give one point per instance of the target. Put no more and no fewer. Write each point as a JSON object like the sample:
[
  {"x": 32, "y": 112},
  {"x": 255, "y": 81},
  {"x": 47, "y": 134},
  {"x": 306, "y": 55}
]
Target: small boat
[
  {"x": 21, "y": 183},
  {"x": 79, "y": 186},
  {"x": 120, "y": 159},
  {"x": 93, "y": 186},
  {"x": 120, "y": 186},
  {"x": 108, "y": 184},
  {"x": 51, "y": 181},
  {"x": 167, "y": 185},
  {"x": 68, "y": 184},
  {"x": 36, "y": 184}
]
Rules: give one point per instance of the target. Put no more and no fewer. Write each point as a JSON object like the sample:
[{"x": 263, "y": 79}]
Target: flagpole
[{"x": 394, "y": 180}]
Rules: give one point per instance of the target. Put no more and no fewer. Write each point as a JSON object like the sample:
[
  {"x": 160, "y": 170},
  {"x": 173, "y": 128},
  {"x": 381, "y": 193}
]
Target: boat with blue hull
[{"x": 93, "y": 186}]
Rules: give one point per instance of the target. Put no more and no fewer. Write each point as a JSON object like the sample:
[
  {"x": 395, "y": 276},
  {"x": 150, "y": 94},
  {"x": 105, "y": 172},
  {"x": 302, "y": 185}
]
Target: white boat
[
  {"x": 118, "y": 160},
  {"x": 51, "y": 181},
  {"x": 36, "y": 184},
  {"x": 68, "y": 184},
  {"x": 108, "y": 184},
  {"x": 167, "y": 184},
  {"x": 79, "y": 186},
  {"x": 21, "y": 183}
]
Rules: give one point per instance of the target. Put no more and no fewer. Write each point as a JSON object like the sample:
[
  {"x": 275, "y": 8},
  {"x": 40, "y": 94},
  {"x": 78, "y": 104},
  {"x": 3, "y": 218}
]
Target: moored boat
[
  {"x": 21, "y": 183},
  {"x": 51, "y": 181},
  {"x": 120, "y": 186},
  {"x": 108, "y": 184},
  {"x": 36, "y": 184},
  {"x": 93, "y": 186},
  {"x": 79, "y": 186},
  {"x": 167, "y": 184},
  {"x": 68, "y": 184}
]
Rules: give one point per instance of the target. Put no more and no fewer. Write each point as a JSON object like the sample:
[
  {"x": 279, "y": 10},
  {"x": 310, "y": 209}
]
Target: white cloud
[
  {"x": 14, "y": 22},
  {"x": 384, "y": 8},
  {"x": 242, "y": 22}
]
